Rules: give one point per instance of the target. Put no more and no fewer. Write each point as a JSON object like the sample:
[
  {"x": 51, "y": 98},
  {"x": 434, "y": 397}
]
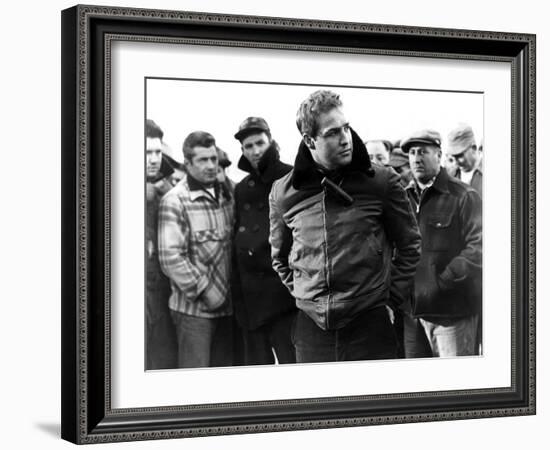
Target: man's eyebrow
[{"x": 337, "y": 128}]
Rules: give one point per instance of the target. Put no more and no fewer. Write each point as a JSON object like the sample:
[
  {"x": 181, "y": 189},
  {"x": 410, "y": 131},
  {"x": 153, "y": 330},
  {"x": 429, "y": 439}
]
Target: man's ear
[{"x": 308, "y": 140}]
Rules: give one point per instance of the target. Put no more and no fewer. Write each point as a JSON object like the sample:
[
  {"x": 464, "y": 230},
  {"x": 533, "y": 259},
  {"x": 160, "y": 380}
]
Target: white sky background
[{"x": 182, "y": 106}]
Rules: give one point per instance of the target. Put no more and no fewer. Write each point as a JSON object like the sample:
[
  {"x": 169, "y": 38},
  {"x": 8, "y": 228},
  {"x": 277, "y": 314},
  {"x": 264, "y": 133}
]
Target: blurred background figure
[
  {"x": 160, "y": 333},
  {"x": 449, "y": 162},
  {"x": 379, "y": 151},
  {"x": 400, "y": 163},
  {"x": 462, "y": 145},
  {"x": 174, "y": 161},
  {"x": 223, "y": 163}
]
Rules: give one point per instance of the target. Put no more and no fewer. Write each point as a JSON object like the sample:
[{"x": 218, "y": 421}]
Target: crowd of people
[{"x": 360, "y": 250}]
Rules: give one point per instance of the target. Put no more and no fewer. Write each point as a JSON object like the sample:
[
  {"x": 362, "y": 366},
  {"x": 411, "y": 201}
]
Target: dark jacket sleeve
[
  {"x": 402, "y": 230},
  {"x": 467, "y": 264},
  {"x": 280, "y": 239}
]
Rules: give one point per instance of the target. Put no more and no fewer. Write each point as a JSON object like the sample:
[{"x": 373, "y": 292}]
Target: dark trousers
[
  {"x": 203, "y": 342},
  {"x": 270, "y": 341},
  {"x": 161, "y": 347},
  {"x": 368, "y": 336},
  {"x": 414, "y": 338}
]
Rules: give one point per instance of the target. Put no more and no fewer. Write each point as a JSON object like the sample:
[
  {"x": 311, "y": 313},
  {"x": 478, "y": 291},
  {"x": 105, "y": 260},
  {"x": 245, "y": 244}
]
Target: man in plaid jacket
[{"x": 195, "y": 226}]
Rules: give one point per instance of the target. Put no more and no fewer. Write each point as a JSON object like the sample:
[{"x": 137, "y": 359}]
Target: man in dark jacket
[
  {"x": 335, "y": 222},
  {"x": 263, "y": 306},
  {"x": 161, "y": 336},
  {"x": 447, "y": 295}
]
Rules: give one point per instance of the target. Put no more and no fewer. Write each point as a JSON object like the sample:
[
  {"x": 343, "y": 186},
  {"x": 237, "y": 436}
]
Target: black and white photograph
[
  {"x": 278, "y": 224},
  {"x": 294, "y": 223}
]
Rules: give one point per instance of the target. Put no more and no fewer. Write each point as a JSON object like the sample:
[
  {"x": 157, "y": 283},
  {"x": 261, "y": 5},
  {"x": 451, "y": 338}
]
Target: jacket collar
[
  {"x": 266, "y": 166},
  {"x": 441, "y": 182},
  {"x": 306, "y": 174},
  {"x": 197, "y": 190}
]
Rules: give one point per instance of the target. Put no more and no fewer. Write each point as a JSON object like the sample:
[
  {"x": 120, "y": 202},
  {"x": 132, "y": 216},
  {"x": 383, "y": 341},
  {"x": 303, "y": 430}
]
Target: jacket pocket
[
  {"x": 426, "y": 289},
  {"x": 209, "y": 246},
  {"x": 437, "y": 236}
]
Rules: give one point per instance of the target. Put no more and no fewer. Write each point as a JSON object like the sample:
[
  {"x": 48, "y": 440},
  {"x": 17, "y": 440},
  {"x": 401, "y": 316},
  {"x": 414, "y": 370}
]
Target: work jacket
[
  {"x": 448, "y": 277},
  {"x": 335, "y": 255}
]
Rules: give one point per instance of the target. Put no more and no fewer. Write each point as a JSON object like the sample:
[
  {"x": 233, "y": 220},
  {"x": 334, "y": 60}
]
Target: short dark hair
[
  {"x": 317, "y": 103},
  {"x": 152, "y": 130},
  {"x": 196, "y": 139}
]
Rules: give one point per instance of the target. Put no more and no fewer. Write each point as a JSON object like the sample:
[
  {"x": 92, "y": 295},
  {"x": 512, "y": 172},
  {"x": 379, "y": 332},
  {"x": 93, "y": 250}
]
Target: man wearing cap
[
  {"x": 379, "y": 151},
  {"x": 400, "y": 163},
  {"x": 447, "y": 294},
  {"x": 335, "y": 222},
  {"x": 195, "y": 230},
  {"x": 160, "y": 334},
  {"x": 263, "y": 306},
  {"x": 462, "y": 146}
]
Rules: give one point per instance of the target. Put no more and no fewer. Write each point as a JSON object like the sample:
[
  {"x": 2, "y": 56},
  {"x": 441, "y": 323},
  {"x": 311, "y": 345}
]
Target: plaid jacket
[{"x": 194, "y": 240}]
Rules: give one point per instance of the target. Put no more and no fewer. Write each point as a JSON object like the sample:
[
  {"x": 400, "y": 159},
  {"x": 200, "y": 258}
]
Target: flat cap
[
  {"x": 423, "y": 137},
  {"x": 250, "y": 125},
  {"x": 398, "y": 158},
  {"x": 460, "y": 139}
]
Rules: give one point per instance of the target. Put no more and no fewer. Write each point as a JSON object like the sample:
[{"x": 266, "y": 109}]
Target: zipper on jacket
[{"x": 327, "y": 261}]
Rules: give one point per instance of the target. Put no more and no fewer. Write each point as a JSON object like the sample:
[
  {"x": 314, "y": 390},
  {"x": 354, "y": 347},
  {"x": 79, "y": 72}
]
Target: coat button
[
  {"x": 256, "y": 228},
  {"x": 246, "y": 206},
  {"x": 251, "y": 183},
  {"x": 241, "y": 229}
]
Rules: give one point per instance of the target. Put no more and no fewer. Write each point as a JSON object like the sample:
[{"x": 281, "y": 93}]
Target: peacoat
[{"x": 259, "y": 296}]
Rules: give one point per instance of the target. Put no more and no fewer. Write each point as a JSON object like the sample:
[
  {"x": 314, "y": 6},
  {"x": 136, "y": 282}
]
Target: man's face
[
  {"x": 405, "y": 173},
  {"x": 203, "y": 167},
  {"x": 254, "y": 146},
  {"x": 450, "y": 164},
  {"x": 378, "y": 153},
  {"x": 424, "y": 161},
  {"x": 221, "y": 177},
  {"x": 467, "y": 160},
  {"x": 332, "y": 147},
  {"x": 153, "y": 156}
]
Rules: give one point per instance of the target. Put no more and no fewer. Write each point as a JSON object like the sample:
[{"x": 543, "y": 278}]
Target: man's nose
[{"x": 345, "y": 137}]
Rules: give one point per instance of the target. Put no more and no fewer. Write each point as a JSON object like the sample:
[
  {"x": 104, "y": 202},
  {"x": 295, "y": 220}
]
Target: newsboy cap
[
  {"x": 423, "y": 137},
  {"x": 398, "y": 158},
  {"x": 460, "y": 139},
  {"x": 249, "y": 126}
]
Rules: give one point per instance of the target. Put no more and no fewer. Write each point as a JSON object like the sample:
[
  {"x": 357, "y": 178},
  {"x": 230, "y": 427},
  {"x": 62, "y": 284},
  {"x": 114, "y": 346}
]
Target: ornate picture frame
[{"x": 88, "y": 34}]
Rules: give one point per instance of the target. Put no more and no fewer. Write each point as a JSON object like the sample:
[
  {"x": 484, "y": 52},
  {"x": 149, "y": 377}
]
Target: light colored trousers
[{"x": 452, "y": 337}]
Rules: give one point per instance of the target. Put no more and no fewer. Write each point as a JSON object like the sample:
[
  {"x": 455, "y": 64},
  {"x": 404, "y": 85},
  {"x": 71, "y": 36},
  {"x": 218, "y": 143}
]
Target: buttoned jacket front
[
  {"x": 258, "y": 294},
  {"x": 448, "y": 277}
]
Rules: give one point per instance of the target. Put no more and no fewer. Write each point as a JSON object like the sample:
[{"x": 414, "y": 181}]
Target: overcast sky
[{"x": 182, "y": 106}]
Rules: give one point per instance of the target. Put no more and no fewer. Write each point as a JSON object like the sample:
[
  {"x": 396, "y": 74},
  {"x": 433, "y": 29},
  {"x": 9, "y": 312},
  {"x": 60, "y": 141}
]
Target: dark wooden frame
[{"x": 87, "y": 416}]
